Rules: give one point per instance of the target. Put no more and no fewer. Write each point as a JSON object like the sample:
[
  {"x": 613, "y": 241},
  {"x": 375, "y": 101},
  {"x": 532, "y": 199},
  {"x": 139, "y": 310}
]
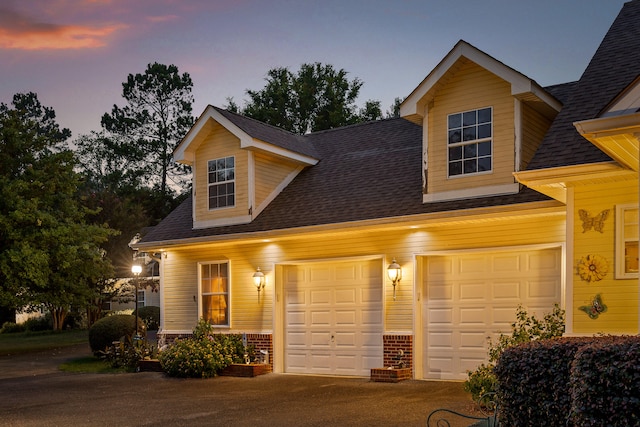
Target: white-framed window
[
  {"x": 213, "y": 278},
  {"x": 222, "y": 182},
  {"x": 141, "y": 295},
  {"x": 626, "y": 241},
  {"x": 469, "y": 142}
]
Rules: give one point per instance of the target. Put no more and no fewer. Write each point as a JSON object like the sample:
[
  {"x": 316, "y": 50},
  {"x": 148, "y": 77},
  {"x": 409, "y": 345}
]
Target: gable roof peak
[{"x": 412, "y": 107}]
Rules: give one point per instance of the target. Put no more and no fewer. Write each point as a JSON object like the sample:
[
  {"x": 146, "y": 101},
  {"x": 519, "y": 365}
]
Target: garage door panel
[
  {"x": 343, "y": 310},
  {"x": 320, "y": 297},
  {"x": 345, "y": 318},
  {"x": 345, "y": 296},
  {"x": 441, "y": 340},
  {"x": 370, "y": 340},
  {"x": 473, "y": 291},
  {"x": 296, "y": 297},
  {"x": 443, "y": 292},
  {"x": 506, "y": 263},
  {"x": 346, "y": 273},
  {"x": 371, "y": 295},
  {"x": 472, "y": 316},
  {"x": 543, "y": 289},
  {"x": 471, "y": 297},
  {"x": 441, "y": 316},
  {"x": 505, "y": 290},
  {"x": 371, "y": 318},
  {"x": 297, "y": 339},
  {"x": 320, "y": 317},
  {"x": 472, "y": 265}
]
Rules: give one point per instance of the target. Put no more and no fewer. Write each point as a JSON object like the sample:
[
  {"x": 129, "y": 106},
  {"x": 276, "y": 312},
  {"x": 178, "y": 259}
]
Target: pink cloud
[{"x": 22, "y": 31}]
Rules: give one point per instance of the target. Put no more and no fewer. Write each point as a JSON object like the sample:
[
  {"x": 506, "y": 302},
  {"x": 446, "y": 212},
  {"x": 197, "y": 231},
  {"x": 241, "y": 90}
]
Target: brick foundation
[{"x": 394, "y": 375}]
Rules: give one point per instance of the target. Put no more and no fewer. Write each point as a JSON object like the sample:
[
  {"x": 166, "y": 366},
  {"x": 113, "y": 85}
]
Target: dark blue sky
[{"x": 75, "y": 54}]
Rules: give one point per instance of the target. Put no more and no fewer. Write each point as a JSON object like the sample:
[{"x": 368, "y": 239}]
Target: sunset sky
[{"x": 75, "y": 54}]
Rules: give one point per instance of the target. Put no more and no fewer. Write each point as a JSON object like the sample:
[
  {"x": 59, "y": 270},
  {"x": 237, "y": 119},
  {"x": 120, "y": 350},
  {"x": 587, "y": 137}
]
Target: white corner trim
[
  {"x": 472, "y": 193},
  {"x": 286, "y": 181},
  {"x": 244, "y": 219}
]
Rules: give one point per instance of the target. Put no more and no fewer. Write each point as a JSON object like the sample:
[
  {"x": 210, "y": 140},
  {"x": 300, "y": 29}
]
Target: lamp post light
[{"x": 136, "y": 269}]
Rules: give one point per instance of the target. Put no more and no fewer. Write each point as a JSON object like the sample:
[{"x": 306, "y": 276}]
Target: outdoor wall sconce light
[
  {"x": 258, "y": 281},
  {"x": 394, "y": 271}
]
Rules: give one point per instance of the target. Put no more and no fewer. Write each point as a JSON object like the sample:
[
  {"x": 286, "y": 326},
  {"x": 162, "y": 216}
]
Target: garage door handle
[{"x": 333, "y": 338}]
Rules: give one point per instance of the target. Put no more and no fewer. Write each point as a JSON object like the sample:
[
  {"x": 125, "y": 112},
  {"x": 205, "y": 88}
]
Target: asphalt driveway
[{"x": 33, "y": 392}]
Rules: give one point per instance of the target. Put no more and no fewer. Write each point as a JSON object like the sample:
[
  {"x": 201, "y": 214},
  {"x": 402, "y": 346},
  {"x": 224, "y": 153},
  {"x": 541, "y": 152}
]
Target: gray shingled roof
[
  {"x": 367, "y": 171},
  {"x": 270, "y": 134},
  {"x": 373, "y": 170},
  {"x": 615, "y": 65}
]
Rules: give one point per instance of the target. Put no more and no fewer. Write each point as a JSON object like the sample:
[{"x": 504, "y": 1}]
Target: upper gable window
[
  {"x": 469, "y": 141},
  {"x": 222, "y": 184}
]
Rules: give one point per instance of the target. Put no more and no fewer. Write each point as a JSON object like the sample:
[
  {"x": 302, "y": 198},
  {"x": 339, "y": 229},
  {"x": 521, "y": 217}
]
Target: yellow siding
[
  {"x": 403, "y": 243},
  {"x": 620, "y": 296},
  {"x": 472, "y": 87},
  {"x": 270, "y": 172},
  {"x": 220, "y": 143},
  {"x": 534, "y": 127}
]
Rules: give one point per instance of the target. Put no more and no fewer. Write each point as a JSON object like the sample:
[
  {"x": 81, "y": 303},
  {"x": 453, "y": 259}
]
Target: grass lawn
[
  {"x": 28, "y": 342},
  {"x": 90, "y": 364}
]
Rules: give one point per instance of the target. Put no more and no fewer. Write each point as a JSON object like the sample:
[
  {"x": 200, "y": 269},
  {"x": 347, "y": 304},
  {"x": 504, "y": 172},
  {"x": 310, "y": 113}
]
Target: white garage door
[
  {"x": 472, "y": 296},
  {"x": 333, "y": 318}
]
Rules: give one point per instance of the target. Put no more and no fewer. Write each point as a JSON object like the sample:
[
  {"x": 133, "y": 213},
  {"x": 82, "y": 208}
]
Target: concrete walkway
[{"x": 33, "y": 392}]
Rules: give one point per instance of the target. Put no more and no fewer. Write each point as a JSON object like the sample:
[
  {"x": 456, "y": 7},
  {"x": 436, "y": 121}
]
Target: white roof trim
[
  {"x": 184, "y": 153},
  {"x": 520, "y": 84}
]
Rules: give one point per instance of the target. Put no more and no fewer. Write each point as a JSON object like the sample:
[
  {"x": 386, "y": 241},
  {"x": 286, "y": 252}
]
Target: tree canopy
[
  {"x": 317, "y": 97},
  {"x": 142, "y": 135},
  {"x": 49, "y": 254}
]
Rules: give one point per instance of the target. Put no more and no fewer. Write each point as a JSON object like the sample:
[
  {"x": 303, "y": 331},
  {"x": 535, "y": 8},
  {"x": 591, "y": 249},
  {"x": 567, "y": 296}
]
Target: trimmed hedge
[
  {"x": 105, "y": 331},
  {"x": 586, "y": 381},
  {"x": 606, "y": 383},
  {"x": 150, "y": 314},
  {"x": 533, "y": 381}
]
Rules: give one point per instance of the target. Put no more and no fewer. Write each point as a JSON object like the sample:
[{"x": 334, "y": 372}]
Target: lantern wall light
[
  {"x": 259, "y": 281},
  {"x": 394, "y": 271}
]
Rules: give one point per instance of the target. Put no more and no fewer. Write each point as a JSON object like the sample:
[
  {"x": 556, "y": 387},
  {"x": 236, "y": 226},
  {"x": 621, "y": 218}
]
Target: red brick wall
[
  {"x": 262, "y": 342},
  {"x": 392, "y": 344}
]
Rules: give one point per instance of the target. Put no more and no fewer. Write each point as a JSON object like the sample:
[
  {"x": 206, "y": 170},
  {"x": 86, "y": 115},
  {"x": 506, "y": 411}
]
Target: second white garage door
[
  {"x": 333, "y": 318},
  {"x": 472, "y": 296}
]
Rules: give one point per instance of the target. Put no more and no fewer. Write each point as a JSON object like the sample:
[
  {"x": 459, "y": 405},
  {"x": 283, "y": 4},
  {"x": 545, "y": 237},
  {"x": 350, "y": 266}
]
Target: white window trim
[
  {"x": 620, "y": 272},
  {"x": 465, "y": 143},
  {"x": 209, "y": 184},
  {"x": 199, "y": 298},
  {"x": 141, "y": 301}
]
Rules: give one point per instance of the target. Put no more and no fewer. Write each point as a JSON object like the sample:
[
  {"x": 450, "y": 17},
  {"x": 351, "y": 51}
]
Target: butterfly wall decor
[
  {"x": 596, "y": 307},
  {"x": 595, "y": 222}
]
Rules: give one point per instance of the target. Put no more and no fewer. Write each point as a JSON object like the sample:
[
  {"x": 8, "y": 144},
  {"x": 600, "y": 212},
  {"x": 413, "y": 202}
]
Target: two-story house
[{"x": 488, "y": 193}]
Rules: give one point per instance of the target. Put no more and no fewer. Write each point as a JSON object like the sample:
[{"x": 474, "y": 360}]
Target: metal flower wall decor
[{"x": 592, "y": 268}]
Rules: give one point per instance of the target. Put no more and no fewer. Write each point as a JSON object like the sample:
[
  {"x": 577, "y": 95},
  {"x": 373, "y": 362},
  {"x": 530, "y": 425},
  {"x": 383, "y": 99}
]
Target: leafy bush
[
  {"x": 42, "y": 323},
  {"x": 150, "y": 315},
  {"x": 127, "y": 352},
  {"x": 533, "y": 381},
  {"x": 202, "y": 356},
  {"x": 11, "y": 328},
  {"x": 605, "y": 383},
  {"x": 525, "y": 329},
  {"x": 105, "y": 331}
]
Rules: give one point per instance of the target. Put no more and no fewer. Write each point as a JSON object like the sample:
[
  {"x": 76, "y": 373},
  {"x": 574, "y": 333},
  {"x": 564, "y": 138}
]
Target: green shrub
[
  {"x": 605, "y": 383},
  {"x": 105, "y": 331},
  {"x": 150, "y": 315},
  {"x": 42, "y": 323},
  {"x": 525, "y": 329},
  {"x": 127, "y": 352},
  {"x": 11, "y": 328},
  {"x": 533, "y": 381},
  {"x": 203, "y": 355}
]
